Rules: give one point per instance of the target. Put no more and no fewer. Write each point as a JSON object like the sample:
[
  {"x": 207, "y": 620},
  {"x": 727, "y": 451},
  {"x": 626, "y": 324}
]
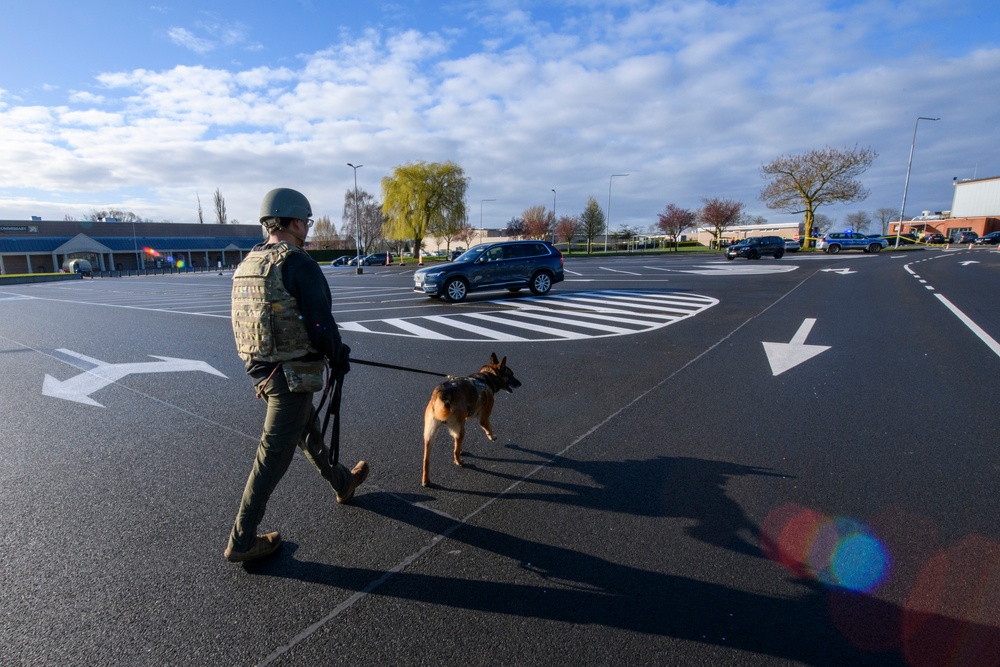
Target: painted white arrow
[
  {"x": 971, "y": 261},
  {"x": 842, "y": 272},
  {"x": 79, "y": 387},
  {"x": 783, "y": 356}
]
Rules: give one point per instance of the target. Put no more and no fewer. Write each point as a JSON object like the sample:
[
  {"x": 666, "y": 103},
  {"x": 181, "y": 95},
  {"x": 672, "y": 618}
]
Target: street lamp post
[
  {"x": 906, "y": 184},
  {"x": 553, "y": 216},
  {"x": 607, "y": 223},
  {"x": 357, "y": 218},
  {"x": 481, "y": 218},
  {"x": 135, "y": 246}
]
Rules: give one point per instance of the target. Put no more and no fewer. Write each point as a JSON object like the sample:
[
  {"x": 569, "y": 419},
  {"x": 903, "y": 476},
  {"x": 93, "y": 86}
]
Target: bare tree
[
  {"x": 822, "y": 223},
  {"x": 625, "y": 234},
  {"x": 567, "y": 228},
  {"x": 466, "y": 234},
  {"x": 323, "y": 235},
  {"x": 201, "y": 214},
  {"x": 884, "y": 216},
  {"x": 113, "y": 214},
  {"x": 452, "y": 230},
  {"x": 537, "y": 223},
  {"x": 591, "y": 223},
  {"x": 674, "y": 221},
  {"x": 718, "y": 215},
  {"x": 220, "y": 208},
  {"x": 370, "y": 219},
  {"x": 859, "y": 221},
  {"x": 803, "y": 183},
  {"x": 514, "y": 228}
]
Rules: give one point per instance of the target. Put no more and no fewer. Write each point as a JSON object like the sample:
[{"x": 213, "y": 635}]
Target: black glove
[{"x": 343, "y": 361}]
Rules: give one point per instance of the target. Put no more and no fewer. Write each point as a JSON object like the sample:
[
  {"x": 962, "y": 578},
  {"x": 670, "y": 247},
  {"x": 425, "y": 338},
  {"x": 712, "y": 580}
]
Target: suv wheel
[
  {"x": 753, "y": 254},
  {"x": 834, "y": 249},
  {"x": 541, "y": 283},
  {"x": 875, "y": 247},
  {"x": 779, "y": 254},
  {"x": 455, "y": 290}
]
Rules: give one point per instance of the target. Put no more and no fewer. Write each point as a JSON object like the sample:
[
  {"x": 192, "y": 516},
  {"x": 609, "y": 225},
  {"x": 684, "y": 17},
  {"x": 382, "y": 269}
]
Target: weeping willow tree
[{"x": 421, "y": 196}]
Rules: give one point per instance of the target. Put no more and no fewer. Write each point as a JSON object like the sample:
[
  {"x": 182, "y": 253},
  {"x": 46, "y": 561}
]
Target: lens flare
[{"x": 839, "y": 552}]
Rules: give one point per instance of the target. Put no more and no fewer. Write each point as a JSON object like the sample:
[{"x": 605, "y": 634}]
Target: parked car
[
  {"x": 993, "y": 238},
  {"x": 791, "y": 245},
  {"x": 904, "y": 239},
  {"x": 964, "y": 237},
  {"x": 510, "y": 265},
  {"x": 377, "y": 259},
  {"x": 755, "y": 247},
  {"x": 344, "y": 260},
  {"x": 836, "y": 241},
  {"x": 934, "y": 238}
]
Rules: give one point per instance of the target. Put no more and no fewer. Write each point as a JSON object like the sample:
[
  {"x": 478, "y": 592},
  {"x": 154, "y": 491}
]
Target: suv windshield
[{"x": 470, "y": 255}]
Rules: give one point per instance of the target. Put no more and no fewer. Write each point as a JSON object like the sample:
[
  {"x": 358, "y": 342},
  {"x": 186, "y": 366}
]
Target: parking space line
[{"x": 967, "y": 321}]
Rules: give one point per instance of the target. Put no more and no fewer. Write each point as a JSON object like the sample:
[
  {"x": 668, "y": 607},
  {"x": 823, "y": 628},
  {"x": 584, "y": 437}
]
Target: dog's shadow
[{"x": 663, "y": 486}]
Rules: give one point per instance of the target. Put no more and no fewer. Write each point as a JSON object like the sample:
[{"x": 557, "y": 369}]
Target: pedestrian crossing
[{"x": 556, "y": 316}]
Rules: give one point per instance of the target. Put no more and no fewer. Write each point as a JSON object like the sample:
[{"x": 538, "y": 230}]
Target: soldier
[{"x": 285, "y": 333}]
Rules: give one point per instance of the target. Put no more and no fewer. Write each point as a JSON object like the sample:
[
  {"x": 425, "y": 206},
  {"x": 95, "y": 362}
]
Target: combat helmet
[{"x": 285, "y": 203}]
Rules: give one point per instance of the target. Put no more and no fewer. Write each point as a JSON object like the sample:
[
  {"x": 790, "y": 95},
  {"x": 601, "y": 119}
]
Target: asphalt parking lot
[{"x": 744, "y": 463}]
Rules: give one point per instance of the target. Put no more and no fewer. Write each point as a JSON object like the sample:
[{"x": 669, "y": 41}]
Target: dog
[{"x": 457, "y": 399}]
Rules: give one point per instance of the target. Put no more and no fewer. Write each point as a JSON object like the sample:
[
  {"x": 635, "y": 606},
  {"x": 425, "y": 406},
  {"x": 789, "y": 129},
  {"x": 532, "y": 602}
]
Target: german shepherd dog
[{"x": 457, "y": 399}]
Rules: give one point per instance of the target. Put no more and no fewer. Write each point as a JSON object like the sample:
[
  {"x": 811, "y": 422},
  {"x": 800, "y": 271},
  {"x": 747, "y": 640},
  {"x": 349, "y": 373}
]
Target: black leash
[
  {"x": 334, "y": 391},
  {"x": 397, "y": 368}
]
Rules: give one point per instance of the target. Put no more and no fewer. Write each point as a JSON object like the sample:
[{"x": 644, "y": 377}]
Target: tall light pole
[
  {"x": 906, "y": 185},
  {"x": 607, "y": 223},
  {"x": 481, "y": 218},
  {"x": 357, "y": 218},
  {"x": 553, "y": 216}
]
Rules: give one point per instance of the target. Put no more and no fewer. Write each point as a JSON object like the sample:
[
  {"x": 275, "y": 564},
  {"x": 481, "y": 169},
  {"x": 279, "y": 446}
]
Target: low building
[
  {"x": 790, "y": 230},
  {"x": 975, "y": 207},
  {"x": 41, "y": 246}
]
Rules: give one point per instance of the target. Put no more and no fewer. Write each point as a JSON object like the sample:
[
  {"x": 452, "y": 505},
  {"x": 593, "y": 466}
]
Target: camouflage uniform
[{"x": 285, "y": 351}]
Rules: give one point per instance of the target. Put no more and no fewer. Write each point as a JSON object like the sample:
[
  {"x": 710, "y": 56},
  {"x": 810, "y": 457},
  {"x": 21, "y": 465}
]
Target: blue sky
[{"x": 149, "y": 107}]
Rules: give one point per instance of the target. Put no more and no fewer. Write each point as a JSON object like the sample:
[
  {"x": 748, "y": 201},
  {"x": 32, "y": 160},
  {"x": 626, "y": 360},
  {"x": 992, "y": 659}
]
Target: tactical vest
[{"x": 267, "y": 323}]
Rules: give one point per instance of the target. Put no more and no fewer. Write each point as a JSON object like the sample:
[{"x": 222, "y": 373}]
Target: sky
[{"x": 151, "y": 108}]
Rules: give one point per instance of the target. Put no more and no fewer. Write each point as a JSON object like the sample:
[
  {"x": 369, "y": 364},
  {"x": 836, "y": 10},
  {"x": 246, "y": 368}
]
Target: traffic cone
[
  {"x": 387, "y": 262},
  {"x": 420, "y": 257}
]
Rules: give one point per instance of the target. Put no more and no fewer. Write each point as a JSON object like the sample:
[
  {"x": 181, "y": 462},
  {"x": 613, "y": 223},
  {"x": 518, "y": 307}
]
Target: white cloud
[
  {"x": 184, "y": 37},
  {"x": 689, "y": 98}
]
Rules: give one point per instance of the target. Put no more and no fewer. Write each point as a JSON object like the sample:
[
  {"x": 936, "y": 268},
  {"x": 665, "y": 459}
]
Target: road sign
[{"x": 78, "y": 388}]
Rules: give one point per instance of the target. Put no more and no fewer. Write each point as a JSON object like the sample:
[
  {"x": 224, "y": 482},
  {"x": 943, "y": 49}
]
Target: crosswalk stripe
[
  {"x": 574, "y": 316},
  {"x": 472, "y": 328},
  {"x": 577, "y": 323},
  {"x": 561, "y": 333},
  {"x": 665, "y": 309}
]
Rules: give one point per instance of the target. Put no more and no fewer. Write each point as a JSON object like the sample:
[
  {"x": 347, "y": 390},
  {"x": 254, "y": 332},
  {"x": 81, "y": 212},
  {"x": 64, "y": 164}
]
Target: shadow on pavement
[{"x": 821, "y": 626}]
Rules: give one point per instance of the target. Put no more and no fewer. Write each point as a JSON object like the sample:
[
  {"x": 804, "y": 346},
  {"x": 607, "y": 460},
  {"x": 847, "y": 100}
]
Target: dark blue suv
[{"x": 510, "y": 265}]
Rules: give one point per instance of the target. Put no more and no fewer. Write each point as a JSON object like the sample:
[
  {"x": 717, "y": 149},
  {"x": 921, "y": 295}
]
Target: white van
[{"x": 80, "y": 266}]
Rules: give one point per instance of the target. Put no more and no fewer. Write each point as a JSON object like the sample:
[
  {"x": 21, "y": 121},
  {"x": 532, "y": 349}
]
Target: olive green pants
[{"x": 285, "y": 427}]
